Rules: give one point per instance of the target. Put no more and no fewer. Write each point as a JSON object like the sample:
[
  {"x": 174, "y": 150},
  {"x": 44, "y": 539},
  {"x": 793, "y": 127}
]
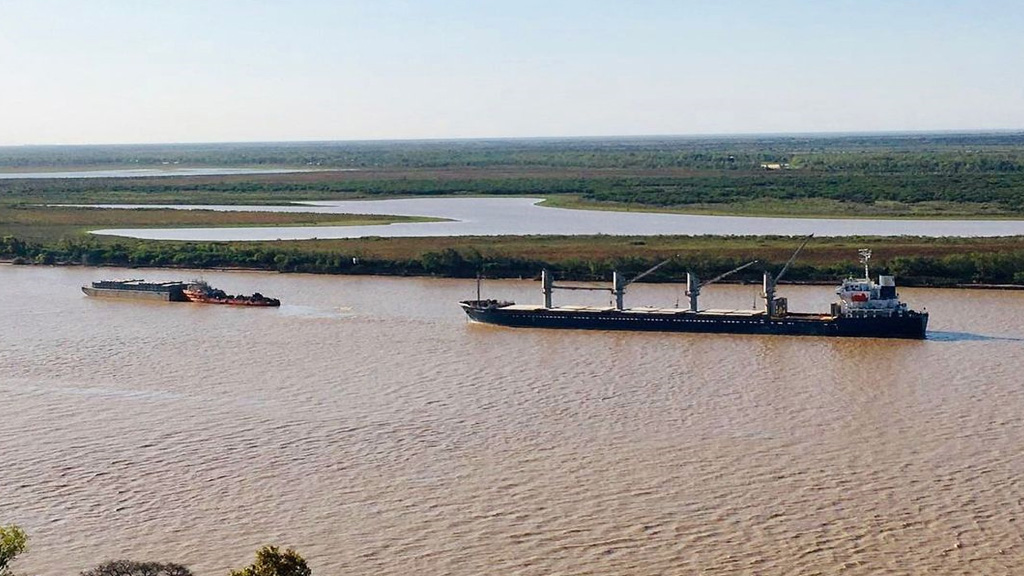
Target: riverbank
[{"x": 932, "y": 262}]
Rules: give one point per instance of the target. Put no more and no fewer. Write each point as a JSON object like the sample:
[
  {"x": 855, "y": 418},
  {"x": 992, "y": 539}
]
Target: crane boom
[
  {"x": 770, "y": 283},
  {"x": 619, "y": 284},
  {"x": 646, "y": 272},
  {"x": 693, "y": 285},
  {"x": 733, "y": 271},
  {"x": 791, "y": 259}
]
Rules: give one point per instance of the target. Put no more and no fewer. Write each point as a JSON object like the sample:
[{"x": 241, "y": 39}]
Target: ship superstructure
[{"x": 862, "y": 298}]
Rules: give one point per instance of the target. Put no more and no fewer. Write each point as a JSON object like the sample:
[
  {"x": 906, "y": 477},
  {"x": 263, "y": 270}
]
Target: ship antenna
[{"x": 865, "y": 255}]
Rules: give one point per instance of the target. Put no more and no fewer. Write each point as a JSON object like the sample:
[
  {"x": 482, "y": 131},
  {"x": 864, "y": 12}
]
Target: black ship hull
[{"x": 909, "y": 325}]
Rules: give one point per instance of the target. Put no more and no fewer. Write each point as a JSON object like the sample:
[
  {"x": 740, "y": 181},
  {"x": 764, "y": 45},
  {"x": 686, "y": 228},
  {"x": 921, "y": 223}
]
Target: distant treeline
[
  {"x": 268, "y": 190},
  {"x": 961, "y": 267},
  {"x": 914, "y": 153}
]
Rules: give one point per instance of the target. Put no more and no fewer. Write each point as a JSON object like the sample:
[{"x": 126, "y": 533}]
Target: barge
[{"x": 138, "y": 290}]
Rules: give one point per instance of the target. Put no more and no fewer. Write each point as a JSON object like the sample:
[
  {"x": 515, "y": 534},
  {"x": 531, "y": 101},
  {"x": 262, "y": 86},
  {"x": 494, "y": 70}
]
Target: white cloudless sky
[{"x": 105, "y": 71}]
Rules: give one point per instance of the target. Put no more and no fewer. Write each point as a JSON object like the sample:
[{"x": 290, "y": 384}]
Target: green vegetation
[
  {"x": 1001, "y": 194},
  {"x": 916, "y": 261},
  {"x": 132, "y": 568},
  {"x": 877, "y": 153},
  {"x": 801, "y": 208},
  {"x": 270, "y": 561},
  {"x": 13, "y": 542}
]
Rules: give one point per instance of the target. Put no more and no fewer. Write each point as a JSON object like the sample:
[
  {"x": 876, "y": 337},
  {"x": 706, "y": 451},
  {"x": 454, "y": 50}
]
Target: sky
[{"x": 148, "y": 71}]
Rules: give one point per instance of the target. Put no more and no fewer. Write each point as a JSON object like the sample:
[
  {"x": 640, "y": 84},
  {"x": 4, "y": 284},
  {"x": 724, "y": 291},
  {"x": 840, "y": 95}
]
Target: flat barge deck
[{"x": 138, "y": 290}]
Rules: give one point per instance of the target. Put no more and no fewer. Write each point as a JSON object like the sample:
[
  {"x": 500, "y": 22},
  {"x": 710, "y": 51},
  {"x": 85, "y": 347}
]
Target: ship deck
[
  {"x": 639, "y": 310},
  {"x": 654, "y": 311}
]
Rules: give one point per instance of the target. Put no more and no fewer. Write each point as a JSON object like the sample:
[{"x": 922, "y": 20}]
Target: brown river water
[{"x": 368, "y": 425}]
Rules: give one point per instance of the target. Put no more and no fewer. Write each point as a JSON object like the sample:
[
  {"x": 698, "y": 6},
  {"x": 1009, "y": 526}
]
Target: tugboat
[
  {"x": 864, "y": 309},
  {"x": 199, "y": 291}
]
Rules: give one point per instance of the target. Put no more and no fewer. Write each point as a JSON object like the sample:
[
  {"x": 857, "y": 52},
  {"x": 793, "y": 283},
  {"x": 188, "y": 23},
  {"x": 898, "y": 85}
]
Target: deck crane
[
  {"x": 693, "y": 284},
  {"x": 619, "y": 285},
  {"x": 618, "y": 288},
  {"x": 771, "y": 305}
]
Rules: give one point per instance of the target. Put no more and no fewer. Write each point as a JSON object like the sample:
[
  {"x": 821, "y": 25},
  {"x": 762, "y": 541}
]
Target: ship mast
[{"x": 865, "y": 255}]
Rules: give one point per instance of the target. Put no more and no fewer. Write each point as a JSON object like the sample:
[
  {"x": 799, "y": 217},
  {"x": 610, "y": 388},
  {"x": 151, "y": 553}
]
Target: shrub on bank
[
  {"x": 132, "y": 568},
  {"x": 13, "y": 542},
  {"x": 1005, "y": 266}
]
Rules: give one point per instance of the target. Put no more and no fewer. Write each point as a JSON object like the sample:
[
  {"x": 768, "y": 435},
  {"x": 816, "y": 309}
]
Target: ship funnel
[{"x": 887, "y": 288}]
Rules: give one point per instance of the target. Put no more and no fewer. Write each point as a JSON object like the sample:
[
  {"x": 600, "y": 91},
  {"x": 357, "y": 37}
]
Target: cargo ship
[
  {"x": 138, "y": 290},
  {"x": 863, "y": 308},
  {"x": 203, "y": 293}
]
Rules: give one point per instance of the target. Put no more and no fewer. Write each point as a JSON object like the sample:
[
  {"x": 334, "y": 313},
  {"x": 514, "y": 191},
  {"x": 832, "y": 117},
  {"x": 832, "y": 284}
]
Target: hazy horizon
[
  {"x": 598, "y": 137},
  {"x": 97, "y": 73}
]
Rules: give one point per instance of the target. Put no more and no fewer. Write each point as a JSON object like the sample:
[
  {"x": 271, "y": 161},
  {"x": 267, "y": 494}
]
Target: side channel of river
[{"x": 522, "y": 216}]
